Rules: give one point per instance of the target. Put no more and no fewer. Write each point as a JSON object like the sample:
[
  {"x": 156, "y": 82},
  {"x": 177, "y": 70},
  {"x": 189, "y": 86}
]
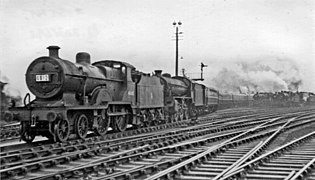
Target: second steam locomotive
[{"x": 75, "y": 98}]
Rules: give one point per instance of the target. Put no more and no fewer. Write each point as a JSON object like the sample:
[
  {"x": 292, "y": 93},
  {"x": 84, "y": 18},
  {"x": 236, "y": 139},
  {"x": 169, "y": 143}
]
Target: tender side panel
[
  {"x": 199, "y": 94},
  {"x": 150, "y": 92}
]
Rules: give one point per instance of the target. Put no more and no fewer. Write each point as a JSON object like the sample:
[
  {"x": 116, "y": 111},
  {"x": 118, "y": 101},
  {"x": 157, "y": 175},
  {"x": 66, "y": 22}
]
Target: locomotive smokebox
[
  {"x": 83, "y": 58},
  {"x": 53, "y": 51},
  {"x": 158, "y": 72}
]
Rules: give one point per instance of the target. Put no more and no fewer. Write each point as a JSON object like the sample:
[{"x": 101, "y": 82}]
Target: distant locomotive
[
  {"x": 282, "y": 99},
  {"x": 74, "y": 98}
]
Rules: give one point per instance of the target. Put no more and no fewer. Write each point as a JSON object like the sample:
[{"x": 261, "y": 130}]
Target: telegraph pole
[{"x": 176, "y": 25}]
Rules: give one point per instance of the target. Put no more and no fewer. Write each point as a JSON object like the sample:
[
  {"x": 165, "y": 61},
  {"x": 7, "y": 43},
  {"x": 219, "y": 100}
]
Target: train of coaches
[{"x": 75, "y": 98}]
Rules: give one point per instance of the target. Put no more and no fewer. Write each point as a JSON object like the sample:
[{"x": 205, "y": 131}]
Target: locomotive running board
[
  {"x": 91, "y": 107},
  {"x": 117, "y": 114}
]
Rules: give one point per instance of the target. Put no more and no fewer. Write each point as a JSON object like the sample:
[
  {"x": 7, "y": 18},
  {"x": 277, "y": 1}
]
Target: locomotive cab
[{"x": 120, "y": 74}]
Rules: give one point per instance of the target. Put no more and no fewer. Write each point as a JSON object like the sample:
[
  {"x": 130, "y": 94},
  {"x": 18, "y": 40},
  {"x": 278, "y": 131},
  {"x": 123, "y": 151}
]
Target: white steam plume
[
  {"x": 259, "y": 76},
  {"x": 8, "y": 89}
]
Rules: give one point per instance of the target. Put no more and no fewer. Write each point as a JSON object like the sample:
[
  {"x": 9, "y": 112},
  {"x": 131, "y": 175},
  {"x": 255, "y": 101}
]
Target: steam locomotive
[
  {"x": 283, "y": 98},
  {"x": 74, "y": 98}
]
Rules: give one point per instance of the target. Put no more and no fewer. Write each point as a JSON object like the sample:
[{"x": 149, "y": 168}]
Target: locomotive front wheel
[
  {"x": 102, "y": 126},
  {"x": 81, "y": 126},
  {"x": 62, "y": 130},
  {"x": 28, "y": 136},
  {"x": 121, "y": 123}
]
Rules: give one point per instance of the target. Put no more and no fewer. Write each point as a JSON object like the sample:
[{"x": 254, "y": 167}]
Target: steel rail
[
  {"x": 268, "y": 155},
  {"x": 183, "y": 164},
  {"x": 174, "y": 161},
  {"x": 66, "y": 158},
  {"x": 203, "y": 154},
  {"x": 152, "y": 150},
  {"x": 254, "y": 152},
  {"x": 305, "y": 169},
  {"x": 45, "y": 151}
]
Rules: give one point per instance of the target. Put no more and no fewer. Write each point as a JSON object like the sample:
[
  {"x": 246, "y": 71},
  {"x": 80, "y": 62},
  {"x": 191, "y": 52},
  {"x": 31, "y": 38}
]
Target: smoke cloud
[
  {"x": 259, "y": 76},
  {"x": 8, "y": 93}
]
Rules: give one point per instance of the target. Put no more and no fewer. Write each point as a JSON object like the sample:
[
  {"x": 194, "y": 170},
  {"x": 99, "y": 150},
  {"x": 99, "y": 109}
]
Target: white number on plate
[{"x": 42, "y": 78}]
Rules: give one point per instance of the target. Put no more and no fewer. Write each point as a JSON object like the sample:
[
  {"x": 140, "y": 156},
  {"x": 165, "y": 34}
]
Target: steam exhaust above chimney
[{"x": 53, "y": 51}]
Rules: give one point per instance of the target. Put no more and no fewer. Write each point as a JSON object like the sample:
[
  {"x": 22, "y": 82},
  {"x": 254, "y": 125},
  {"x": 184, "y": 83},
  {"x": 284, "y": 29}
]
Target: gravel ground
[{"x": 291, "y": 135}]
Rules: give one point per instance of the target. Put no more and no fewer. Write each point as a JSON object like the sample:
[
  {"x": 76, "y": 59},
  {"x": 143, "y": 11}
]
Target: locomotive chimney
[
  {"x": 83, "y": 58},
  {"x": 53, "y": 51},
  {"x": 158, "y": 72}
]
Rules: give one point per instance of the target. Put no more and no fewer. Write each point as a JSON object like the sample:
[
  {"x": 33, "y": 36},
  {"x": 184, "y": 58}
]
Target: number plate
[{"x": 42, "y": 78}]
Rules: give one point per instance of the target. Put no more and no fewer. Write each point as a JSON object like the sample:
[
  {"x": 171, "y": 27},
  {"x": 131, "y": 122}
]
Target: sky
[{"x": 257, "y": 41}]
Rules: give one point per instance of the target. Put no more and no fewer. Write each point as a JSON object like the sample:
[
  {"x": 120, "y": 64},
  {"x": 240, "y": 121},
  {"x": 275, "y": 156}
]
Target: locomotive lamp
[{"x": 177, "y": 24}]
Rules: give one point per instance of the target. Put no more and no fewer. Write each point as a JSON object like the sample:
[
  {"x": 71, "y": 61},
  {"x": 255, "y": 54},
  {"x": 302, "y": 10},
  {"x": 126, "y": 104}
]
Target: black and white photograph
[{"x": 154, "y": 90}]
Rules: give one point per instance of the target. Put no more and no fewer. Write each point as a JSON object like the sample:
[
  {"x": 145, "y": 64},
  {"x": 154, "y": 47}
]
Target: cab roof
[{"x": 110, "y": 62}]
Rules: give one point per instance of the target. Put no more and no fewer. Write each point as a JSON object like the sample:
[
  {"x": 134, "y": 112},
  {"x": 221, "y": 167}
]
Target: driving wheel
[
  {"x": 121, "y": 123},
  {"x": 62, "y": 130},
  {"x": 102, "y": 125},
  {"x": 81, "y": 126}
]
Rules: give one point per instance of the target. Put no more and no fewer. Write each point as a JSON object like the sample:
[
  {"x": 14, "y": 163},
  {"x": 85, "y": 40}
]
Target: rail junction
[{"x": 229, "y": 144}]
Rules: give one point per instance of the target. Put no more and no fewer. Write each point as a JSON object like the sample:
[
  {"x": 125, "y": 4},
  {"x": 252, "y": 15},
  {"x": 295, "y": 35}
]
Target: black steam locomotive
[
  {"x": 283, "y": 99},
  {"x": 74, "y": 98}
]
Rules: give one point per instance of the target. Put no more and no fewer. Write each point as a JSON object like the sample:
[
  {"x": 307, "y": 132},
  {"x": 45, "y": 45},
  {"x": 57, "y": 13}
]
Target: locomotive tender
[{"x": 74, "y": 98}]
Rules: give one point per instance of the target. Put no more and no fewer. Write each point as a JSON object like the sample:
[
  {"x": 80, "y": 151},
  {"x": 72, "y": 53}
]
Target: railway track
[
  {"x": 206, "y": 119},
  {"x": 9, "y": 132},
  {"x": 77, "y": 157},
  {"x": 146, "y": 163},
  {"x": 47, "y": 159},
  {"x": 27, "y": 156},
  {"x": 294, "y": 160},
  {"x": 220, "y": 162},
  {"x": 206, "y": 123},
  {"x": 117, "y": 158},
  {"x": 24, "y": 147}
]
